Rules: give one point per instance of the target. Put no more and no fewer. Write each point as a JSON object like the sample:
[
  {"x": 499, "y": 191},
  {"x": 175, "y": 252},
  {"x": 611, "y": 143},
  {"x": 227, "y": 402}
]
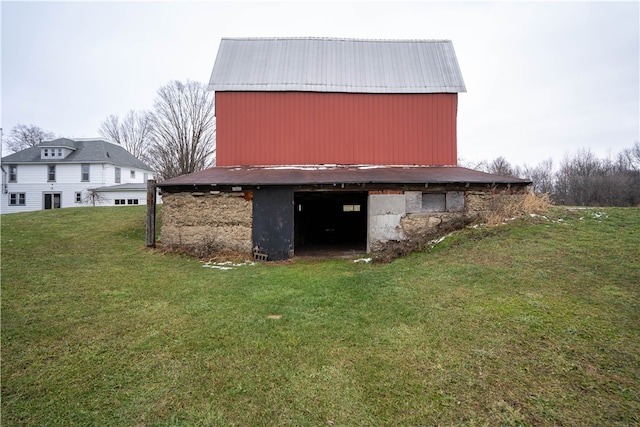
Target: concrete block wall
[{"x": 396, "y": 216}]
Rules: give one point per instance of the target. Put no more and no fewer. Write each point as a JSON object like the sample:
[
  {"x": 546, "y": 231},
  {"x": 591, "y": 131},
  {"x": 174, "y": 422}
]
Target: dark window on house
[
  {"x": 118, "y": 174},
  {"x": 85, "y": 172},
  {"x": 13, "y": 173},
  {"x": 132, "y": 201},
  {"x": 17, "y": 199},
  {"x": 51, "y": 173},
  {"x": 119, "y": 201},
  {"x": 78, "y": 197},
  {"x": 132, "y": 174}
]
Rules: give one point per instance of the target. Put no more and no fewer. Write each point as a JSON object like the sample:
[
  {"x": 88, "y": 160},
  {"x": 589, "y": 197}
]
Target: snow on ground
[{"x": 227, "y": 265}]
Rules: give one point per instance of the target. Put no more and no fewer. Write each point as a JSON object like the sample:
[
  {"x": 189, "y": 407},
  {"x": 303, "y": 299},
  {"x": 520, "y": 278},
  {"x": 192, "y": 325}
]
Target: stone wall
[
  {"x": 414, "y": 226},
  {"x": 202, "y": 224},
  {"x": 493, "y": 207}
]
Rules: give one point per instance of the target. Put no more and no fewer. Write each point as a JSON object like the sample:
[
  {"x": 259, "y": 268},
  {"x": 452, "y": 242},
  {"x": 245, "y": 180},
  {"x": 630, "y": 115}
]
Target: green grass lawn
[{"x": 532, "y": 323}]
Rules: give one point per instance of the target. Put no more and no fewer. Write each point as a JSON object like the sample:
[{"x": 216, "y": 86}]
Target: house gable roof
[
  {"x": 336, "y": 65},
  {"x": 84, "y": 151}
]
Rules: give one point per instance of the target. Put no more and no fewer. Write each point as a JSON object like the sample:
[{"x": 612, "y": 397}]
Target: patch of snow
[
  {"x": 365, "y": 260},
  {"x": 436, "y": 241},
  {"x": 304, "y": 168},
  {"x": 227, "y": 265},
  {"x": 219, "y": 267},
  {"x": 364, "y": 167}
]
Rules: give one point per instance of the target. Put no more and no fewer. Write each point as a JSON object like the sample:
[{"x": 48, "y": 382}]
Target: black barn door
[{"x": 273, "y": 222}]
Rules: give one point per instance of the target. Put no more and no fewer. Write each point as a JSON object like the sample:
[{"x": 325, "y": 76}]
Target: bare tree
[
  {"x": 542, "y": 176},
  {"x": 133, "y": 133},
  {"x": 91, "y": 197},
  {"x": 183, "y": 129},
  {"x": 629, "y": 158},
  {"x": 25, "y": 136},
  {"x": 500, "y": 166}
]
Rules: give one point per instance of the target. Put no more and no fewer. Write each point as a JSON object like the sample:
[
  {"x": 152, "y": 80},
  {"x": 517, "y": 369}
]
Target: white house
[{"x": 64, "y": 173}]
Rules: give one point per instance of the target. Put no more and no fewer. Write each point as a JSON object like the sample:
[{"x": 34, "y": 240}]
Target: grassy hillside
[{"x": 532, "y": 323}]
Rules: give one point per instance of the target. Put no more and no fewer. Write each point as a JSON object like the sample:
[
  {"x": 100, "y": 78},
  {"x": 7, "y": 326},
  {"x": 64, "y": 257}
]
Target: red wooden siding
[{"x": 303, "y": 128}]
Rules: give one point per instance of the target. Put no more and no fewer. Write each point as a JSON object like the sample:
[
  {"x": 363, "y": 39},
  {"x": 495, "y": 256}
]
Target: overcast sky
[{"x": 543, "y": 78}]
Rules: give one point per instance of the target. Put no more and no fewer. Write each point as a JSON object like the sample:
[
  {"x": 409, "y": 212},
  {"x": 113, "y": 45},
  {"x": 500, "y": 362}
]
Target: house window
[
  {"x": 59, "y": 152},
  {"x": 78, "y": 197},
  {"x": 132, "y": 201},
  {"x": 85, "y": 172},
  {"x": 17, "y": 199},
  {"x": 132, "y": 174},
  {"x": 51, "y": 173},
  {"x": 13, "y": 173},
  {"x": 45, "y": 152},
  {"x": 119, "y": 201},
  {"x": 118, "y": 174}
]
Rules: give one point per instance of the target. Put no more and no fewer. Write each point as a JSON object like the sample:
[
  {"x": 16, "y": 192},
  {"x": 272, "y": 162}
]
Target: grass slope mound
[{"x": 531, "y": 323}]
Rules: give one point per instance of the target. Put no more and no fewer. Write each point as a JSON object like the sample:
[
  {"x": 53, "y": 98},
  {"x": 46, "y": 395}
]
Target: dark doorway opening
[
  {"x": 330, "y": 223},
  {"x": 52, "y": 201}
]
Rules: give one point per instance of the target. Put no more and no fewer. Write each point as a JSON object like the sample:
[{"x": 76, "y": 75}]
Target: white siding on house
[
  {"x": 108, "y": 198},
  {"x": 33, "y": 182}
]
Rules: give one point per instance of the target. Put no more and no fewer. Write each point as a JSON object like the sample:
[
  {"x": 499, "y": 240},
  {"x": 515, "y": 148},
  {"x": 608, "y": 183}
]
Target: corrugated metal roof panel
[
  {"x": 307, "y": 175},
  {"x": 336, "y": 65}
]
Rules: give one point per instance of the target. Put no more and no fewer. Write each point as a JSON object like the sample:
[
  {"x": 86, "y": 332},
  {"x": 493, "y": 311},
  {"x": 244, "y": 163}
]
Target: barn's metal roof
[
  {"x": 336, "y": 65},
  {"x": 337, "y": 174}
]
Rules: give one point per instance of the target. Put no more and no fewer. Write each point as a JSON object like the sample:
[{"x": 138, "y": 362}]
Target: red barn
[
  {"x": 333, "y": 142},
  {"x": 320, "y": 101}
]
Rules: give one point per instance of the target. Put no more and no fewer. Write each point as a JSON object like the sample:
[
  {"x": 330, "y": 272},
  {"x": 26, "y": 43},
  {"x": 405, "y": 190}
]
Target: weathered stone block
[
  {"x": 455, "y": 201},
  {"x": 413, "y": 201}
]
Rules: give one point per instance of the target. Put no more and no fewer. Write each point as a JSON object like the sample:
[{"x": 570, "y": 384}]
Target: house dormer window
[{"x": 48, "y": 153}]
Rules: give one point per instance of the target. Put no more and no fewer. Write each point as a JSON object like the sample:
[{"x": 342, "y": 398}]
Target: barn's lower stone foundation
[
  {"x": 203, "y": 224},
  {"x": 423, "y": 221}
]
